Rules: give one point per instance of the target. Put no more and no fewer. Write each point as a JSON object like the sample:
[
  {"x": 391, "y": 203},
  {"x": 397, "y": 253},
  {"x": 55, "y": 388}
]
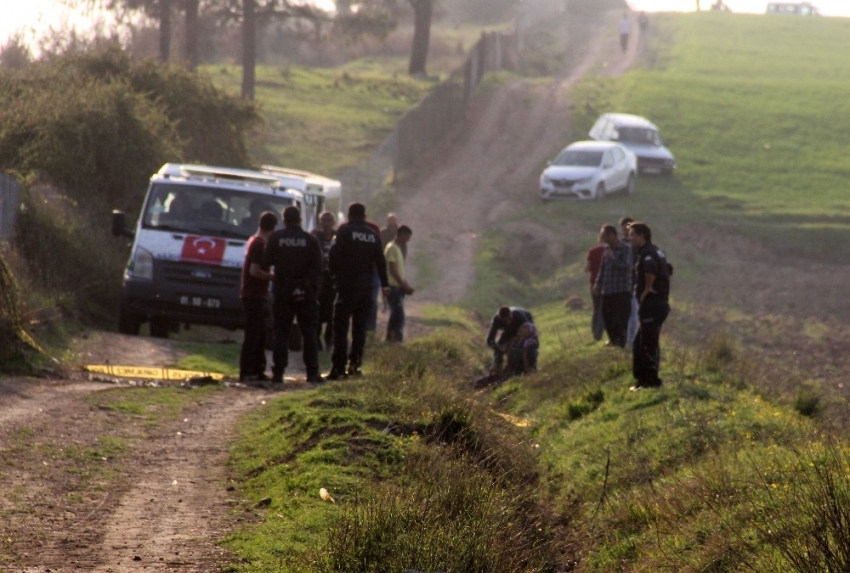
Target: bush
[
  {"x": 97, "y": 124},
  {"x": 94, "y": 125}
]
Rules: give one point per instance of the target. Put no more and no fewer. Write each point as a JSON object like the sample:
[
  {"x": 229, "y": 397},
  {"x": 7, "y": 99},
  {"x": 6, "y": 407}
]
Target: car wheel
[
  {"x": 600, "y": 191},
  {"x": 129, "y": 323},
  {"x": 159, "y": 327},
  {"x": 630, "y": 185}
]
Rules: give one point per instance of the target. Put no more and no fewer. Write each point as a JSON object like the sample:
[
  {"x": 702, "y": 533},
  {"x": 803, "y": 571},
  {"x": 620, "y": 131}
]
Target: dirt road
[
  {"x": 491, "y": 170},
  {"x": 160, "y": 501}
]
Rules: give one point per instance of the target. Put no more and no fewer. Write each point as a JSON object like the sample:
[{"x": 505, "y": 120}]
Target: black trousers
[
  {"x": 307, "y": 313},
  {"x": 616, "y": 309},
  {"x": 646, "y": 353},
  {"x": 351, "y": 308},
  {"x": 252, "y": 358}
]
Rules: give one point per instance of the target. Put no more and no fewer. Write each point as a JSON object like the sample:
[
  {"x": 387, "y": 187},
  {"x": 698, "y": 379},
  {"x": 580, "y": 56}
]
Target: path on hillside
[
  {"x": 163, "y": 504},
  {"x": 490, "y": 167}
]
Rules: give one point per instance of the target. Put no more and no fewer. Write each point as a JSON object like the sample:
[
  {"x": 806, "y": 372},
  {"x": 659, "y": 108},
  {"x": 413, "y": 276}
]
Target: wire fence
[{"x": 420, "y": 129}]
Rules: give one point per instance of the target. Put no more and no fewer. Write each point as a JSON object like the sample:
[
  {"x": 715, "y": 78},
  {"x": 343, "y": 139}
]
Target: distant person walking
[
  {"x": 643, "y": 23},
  {"x": 625, "y": 31},
  {"x": 592, "y": 263},
  {"x": 296, "y": 257},
  {"x": 326, "y": 234},
  {"x": 614, "y": 284},
  {"x": 254, "y": 293},
  {"x": 652, "y": 289},
  {"x": 354, "y": 259},
  {"x": 399, "y": 287}
]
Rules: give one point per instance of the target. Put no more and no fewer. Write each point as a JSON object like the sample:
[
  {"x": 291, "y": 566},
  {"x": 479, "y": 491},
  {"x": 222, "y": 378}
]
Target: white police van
[{"x": 185, "y": 263}]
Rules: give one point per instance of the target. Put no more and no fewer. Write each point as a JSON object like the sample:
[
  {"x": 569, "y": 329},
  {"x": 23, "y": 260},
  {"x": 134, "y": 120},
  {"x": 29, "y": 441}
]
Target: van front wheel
[
  {"x": 159, "y": 327},
  {"x": 129, "y": 323}
]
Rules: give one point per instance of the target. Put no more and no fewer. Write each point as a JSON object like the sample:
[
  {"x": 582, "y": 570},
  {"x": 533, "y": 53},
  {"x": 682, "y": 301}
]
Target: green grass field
[
  {"x": 755, "y": 110},
  {"x": 323, "y": 120}
]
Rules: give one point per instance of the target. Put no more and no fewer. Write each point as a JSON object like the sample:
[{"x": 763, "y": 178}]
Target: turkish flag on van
[{"x": 203, "y": 249}]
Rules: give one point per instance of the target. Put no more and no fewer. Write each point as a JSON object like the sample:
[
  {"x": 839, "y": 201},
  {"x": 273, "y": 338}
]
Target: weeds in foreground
[{"x": 445, "y": 515}]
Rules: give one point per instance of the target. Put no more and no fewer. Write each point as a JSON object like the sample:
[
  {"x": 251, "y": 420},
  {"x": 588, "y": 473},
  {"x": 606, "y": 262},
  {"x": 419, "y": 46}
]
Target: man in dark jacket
[
  {"x": 652, "y": 290},
  {"x": 297, "y": 260},
  {"x": 507, "y": 319},
  {"x": 354, "y": 257}
]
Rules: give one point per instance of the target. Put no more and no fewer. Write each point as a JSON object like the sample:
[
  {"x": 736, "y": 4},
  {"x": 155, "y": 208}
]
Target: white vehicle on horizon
[
  {"x": 589, "y": 170},
  {"x": 641, "y": 136}
]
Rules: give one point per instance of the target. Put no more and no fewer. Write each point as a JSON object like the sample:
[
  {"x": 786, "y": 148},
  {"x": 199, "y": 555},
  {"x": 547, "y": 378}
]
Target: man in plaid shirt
[{"x": 614, "y": 284}]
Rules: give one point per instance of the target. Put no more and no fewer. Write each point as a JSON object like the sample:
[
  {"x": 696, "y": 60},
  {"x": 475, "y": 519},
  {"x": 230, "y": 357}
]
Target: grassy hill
[{"x": 567, "y": 468}]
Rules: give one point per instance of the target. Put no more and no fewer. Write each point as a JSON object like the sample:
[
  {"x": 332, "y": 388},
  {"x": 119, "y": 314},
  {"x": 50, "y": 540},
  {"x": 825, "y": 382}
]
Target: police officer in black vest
[
  {"x": 297, "y": 260},
  {"x": 353, "y": 260},
  {"x": 652, "y": 290}
]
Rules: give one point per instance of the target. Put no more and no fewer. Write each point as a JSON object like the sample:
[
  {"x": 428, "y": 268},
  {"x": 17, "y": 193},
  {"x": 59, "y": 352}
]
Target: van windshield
[
  {"x": 208, "y": 210},
  {"x": 639, "y": 135},
  {"x": 579, "y": 158}
]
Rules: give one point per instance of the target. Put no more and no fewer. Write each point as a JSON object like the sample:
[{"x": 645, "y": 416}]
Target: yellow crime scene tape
[{"x": 150, "y": 372}]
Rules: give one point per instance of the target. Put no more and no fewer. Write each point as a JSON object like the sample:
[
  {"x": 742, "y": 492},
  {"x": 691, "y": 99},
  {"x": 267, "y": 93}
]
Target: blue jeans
[{"x": 395, "y": 324}]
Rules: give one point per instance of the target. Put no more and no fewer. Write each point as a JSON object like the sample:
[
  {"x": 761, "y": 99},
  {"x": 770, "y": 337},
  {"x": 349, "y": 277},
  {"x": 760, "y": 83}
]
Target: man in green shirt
[{"x": 399, "y": 288}]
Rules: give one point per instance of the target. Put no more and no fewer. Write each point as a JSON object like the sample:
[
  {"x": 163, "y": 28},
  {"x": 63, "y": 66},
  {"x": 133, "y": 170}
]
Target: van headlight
[{"x": 142, "y": 267}]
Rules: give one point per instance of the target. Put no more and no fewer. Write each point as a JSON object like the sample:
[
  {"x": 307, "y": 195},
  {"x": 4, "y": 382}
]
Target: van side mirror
[{"x": 119, "y": 225}]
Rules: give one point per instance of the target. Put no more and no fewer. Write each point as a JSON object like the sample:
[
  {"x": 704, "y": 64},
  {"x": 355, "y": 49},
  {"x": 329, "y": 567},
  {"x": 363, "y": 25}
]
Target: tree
[
  {"x": 192, "y": 9},
  {"x": 422, "y": 12},
  {"x": 249, "y": 48},
  {"x": 162, "y": 11}
]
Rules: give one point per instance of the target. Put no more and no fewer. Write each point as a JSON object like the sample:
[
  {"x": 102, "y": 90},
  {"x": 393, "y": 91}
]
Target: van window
[
  {"x": 610, "y": 131},
  {"x": 207, "y": 210}
]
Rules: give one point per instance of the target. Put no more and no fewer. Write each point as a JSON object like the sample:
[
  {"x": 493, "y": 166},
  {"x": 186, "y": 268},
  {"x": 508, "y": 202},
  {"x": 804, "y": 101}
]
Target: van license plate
[{"x": 200, "y": 301}]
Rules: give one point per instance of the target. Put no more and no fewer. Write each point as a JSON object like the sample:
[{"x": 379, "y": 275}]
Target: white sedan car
[{"x": 589, "y": 170}]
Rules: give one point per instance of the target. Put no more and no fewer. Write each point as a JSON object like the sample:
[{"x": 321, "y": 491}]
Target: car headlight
[
  {"x": 142, "y": 265},
  {"x": 544, "y": 179},
  {"x": 585, "y": 180}
]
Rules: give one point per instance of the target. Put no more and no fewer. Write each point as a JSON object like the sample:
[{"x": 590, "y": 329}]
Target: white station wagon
[{"x": 589, "y": 170}]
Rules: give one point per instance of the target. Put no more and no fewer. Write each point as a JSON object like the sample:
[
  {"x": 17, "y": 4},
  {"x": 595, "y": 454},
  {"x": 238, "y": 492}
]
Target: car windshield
[
  {"x": 580, "y": 158},
  {"x": 639, "y": 135},
  {"x": 207, "y": 210}
]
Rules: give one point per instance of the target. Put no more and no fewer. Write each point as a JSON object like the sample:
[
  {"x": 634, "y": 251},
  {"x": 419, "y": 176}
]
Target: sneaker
[
  {"x": 335, "y": 374},
  {"x": 315, "y": 379},
  {"x": 277, "y": 378},
  {"x": 262, "y": 376},
  {"x": 636, "y": 387}
]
